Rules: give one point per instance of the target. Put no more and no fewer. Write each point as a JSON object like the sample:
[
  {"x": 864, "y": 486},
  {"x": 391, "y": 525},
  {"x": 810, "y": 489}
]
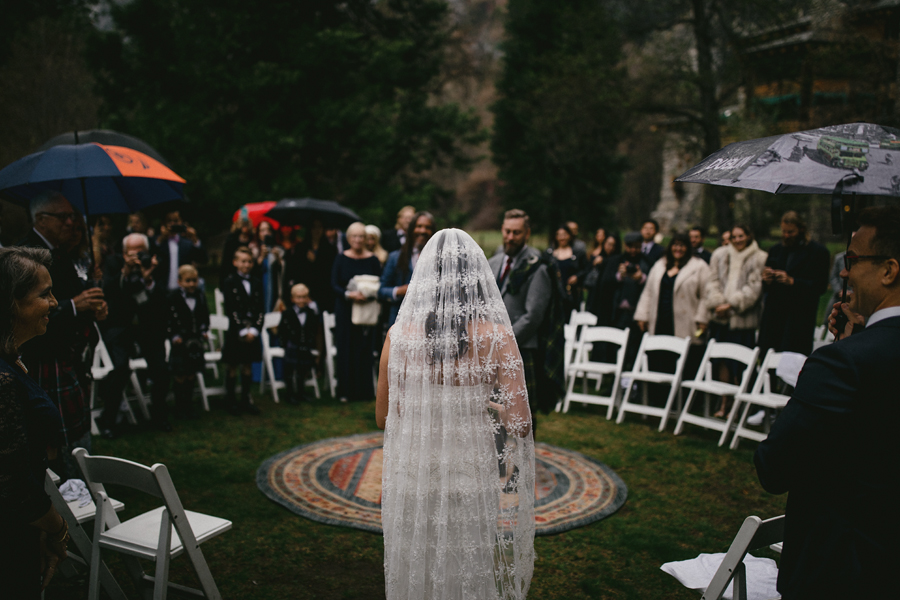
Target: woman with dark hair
[
  {"x": 310, "y": 262},
  {"x": 599, "y": 301},
  {"x": 672, "y": 300},
  {"x": 572, "y": 267},
  {"x": 33, "y": 536},
  {"x": 242, "y": 234}
]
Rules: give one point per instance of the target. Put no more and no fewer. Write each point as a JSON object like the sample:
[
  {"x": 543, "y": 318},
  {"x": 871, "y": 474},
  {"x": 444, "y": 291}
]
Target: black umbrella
[
  {"x": 860, "y": 158},
  {"x": 291, "y": 211},
  {"x": 107, "y": 137}
]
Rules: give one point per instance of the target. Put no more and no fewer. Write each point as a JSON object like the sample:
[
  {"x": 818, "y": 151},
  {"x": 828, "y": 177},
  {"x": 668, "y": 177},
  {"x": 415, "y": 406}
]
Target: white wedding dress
[{"x": 458, "y": 473}]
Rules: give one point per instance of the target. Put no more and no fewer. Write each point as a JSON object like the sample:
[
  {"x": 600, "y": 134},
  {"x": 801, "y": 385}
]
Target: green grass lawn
[{"x": 685, "y": 496}]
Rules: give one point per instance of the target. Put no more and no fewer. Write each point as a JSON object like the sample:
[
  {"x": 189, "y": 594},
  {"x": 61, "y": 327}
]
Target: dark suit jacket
[
  {"x": 315, "y": 275},
  {"x": 188, "y": 254},
  {"x": 296, "y": 338},
  {"x": 628, "y": 289},
  {"x": 703, "y": 253},
  {"x": 392, "y": 277},
  {"x": 65, "y": 337},
  {"x": 656, "y": 252},
  {"x": 390, "y": 239},
  {"x": 181, "y": 321},
  {"x": 835, "y": 450},
  {"x": 789, "y": 311},
  {"x": 243, "y": 310}
]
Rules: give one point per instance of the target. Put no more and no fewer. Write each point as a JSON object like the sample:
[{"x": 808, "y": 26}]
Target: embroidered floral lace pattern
[{"x": 458, "y": 474}]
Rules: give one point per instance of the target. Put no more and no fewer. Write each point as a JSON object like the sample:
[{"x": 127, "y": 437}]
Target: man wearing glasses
[
  {"x": 834, "y": 448},
  {"x": 54, "y": 359}
]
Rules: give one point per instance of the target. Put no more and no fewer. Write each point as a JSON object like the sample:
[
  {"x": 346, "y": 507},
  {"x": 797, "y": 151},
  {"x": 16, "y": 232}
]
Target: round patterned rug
[{"x": 338, "y": 481}]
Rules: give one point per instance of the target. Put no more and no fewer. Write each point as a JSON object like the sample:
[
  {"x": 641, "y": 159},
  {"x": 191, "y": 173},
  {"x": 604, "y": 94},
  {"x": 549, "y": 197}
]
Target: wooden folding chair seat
[
  {"x": 753, "y": 534},
  {"x": 643, "y": 374},
  {"x": 705, "y": 384},
  {"x": 761, "y": 395},
  {"x": 149, "y": 535},
  {"x": 582, "y": 366}
]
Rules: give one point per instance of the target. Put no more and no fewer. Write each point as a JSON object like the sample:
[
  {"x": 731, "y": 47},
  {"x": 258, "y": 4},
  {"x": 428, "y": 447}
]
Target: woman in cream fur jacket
[{"x": 688, "y": 308}]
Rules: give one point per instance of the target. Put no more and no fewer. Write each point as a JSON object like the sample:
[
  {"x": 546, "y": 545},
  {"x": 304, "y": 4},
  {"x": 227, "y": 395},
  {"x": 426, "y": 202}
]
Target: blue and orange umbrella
[{"x": 97, "y": 179}]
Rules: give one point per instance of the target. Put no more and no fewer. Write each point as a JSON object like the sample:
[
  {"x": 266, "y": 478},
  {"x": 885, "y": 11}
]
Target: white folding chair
[
  {"x": 149, "y": 535},
  {"x": 761, "y": 395},
  {"x": 577, "y": 322},
  {"x": 754, "y": 533},
  {"x": 219, "y": 299},
  {"x": 582, "y": 366},
  {"x": 100, "y": 369},
  {"x": 270, "y": 320},
  {"x": 76, "y": 517},
  {"x": 705, "y": 384},
  {"x": 218, "y": 325},
  {"x": 642, "y": 373},
  {"x": 330, "y": 322}
]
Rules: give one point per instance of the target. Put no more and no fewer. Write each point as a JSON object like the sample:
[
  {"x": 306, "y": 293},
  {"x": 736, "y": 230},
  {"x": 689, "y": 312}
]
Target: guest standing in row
[
  {"x": 245, "y": 310},
  {"x": 310, "y": 262},
  {"x": 187, "y": 327},
  {"x": 734, "y": 296},
  {"x": 572, "y": 266},
  {"x": 400, "y": 263},
  {"x": 373, "y": 243},
  {"x": 600, "y": 296},
  {"x": 354, "y": 342}
]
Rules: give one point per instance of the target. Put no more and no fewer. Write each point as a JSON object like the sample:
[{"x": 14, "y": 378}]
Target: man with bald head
[{"x": 54, "y": 359}]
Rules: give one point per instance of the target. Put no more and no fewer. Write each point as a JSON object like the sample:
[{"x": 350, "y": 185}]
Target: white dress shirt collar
[{"x": 884, "y": 313}]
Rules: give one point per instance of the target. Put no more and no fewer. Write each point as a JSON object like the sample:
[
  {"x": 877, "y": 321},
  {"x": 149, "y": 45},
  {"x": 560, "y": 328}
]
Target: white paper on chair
[
  {"x": 789, "y": 367},
  {"x": 697, "y": 573}
]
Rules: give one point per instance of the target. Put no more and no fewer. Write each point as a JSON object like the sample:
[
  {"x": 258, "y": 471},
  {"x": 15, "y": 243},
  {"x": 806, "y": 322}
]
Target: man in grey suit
[{"x": 525, "y": 287}]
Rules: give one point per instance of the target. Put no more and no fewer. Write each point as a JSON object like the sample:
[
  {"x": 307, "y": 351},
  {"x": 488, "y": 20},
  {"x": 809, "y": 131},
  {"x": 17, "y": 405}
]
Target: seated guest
[
  {"x": 839, "y": 428},
  {"x": 298, "y": 330},
  {"x": 33, "y": 535},
  {"x": 400, "y": 264},
  {"x": 187, "y": 328},
  {"x": 245, "y": 311}
]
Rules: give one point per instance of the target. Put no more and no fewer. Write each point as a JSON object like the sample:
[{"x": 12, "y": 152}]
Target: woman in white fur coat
[
  {"x": 734, "y": 295},
  {"x": 672, "y": 300}
]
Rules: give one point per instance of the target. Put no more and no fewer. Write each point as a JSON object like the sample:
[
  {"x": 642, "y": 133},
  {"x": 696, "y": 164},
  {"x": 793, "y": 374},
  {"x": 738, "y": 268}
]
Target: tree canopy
[
  {"x": 562, "y": 111},
  {"x": 287, "y": 99}
]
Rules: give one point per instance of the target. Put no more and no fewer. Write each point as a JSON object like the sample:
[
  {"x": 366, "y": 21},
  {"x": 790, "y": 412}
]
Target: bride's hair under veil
[{"x": 458, "y": 471}]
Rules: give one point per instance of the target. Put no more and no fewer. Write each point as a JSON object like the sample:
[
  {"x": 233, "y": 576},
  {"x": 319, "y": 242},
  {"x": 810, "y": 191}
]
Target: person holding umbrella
[{"x": 55, "y": 360}]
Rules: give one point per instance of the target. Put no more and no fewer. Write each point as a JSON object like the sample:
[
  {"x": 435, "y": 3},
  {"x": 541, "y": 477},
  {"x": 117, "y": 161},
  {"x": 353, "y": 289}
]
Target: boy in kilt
[
  {"x": 244, "y": 306},
  {"x": 298, "y": 330},
  {"x": 187, "y": 327}
]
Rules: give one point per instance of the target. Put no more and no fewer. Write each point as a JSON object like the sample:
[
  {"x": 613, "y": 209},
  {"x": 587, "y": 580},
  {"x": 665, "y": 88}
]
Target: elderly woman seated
[{"x": 33, "y": 535}]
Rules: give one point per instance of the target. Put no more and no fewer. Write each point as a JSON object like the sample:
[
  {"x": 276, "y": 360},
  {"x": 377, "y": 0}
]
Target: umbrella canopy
[
  {"x": 863, "y": 158},
  {"x": 256, "y": 212},
  {"x": 302, "y": 212},
  {"x": 106, "y": 137},
  {"x": 96, "y": 179}
]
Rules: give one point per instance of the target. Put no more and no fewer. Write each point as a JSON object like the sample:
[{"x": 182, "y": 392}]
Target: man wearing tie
[
  {"x": 177, "y": 245},
  {"x": 649, "y": 248},
  {"x": 837, "y": 436},
  {"x": 525, "y": 287}
]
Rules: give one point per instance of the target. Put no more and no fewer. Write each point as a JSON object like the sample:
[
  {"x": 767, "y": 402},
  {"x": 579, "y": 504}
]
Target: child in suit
[
  {"x": 187, "y": 327},
  {"x": 298, "y": 330},
  {"x": 244, "y": 306}
]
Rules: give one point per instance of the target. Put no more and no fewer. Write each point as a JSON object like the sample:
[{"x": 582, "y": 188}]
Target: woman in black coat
[{"x": 33, "y": 536}]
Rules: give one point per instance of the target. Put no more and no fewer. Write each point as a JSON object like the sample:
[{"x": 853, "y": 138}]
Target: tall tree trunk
[{"x": 709, "y": 108}]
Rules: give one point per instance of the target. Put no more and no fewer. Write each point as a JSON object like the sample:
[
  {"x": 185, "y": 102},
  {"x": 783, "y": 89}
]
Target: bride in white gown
[{"x": 457, "y": 504}]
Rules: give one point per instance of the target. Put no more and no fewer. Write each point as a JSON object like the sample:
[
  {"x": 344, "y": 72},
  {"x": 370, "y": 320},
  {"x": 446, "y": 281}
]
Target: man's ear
[{"x": 891, "y": 273}]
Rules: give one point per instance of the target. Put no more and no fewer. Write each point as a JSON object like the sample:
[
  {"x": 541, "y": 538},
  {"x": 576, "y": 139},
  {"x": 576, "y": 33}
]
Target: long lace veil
[{"x": 458, "y": 471}]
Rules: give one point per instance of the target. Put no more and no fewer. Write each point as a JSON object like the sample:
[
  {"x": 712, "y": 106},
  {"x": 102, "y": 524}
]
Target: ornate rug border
[{"x": 262, "y": 482}]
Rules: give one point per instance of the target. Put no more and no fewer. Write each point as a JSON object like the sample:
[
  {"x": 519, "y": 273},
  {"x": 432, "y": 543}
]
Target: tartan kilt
[
  {"x": 59, "y": 378},
  {"x": 530, "y": 377}
]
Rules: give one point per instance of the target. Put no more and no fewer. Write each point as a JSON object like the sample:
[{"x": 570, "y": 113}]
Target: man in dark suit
[
  {"x": 399, "y": 267},
  {"x": 54, "y": 359},
  {"x": 393, "y": 239},
  {"x": 834, "y": 448},
  {"x": 135, "y": 302},
  {"x": 697, "y": 235},
  {"x": 795, "y": 276},
  {"x": 298, "y": 331},
  {"x": 649, "y": 248},
  {"x": 176, "y": 245}
]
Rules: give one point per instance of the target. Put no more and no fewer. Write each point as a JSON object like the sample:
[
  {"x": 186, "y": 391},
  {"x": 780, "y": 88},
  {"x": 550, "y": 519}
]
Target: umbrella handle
[{"x": 842, "y": 216}]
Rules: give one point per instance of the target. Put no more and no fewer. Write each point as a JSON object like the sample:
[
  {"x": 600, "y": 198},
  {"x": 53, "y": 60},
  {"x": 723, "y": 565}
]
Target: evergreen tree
[{"x": 562, "y": 111}]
